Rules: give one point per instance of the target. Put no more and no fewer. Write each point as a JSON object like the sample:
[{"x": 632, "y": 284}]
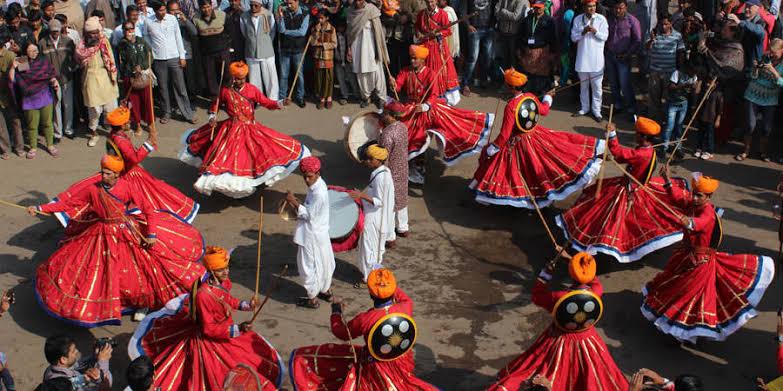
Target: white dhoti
[
  {"x": 314, "y": 257},
  {"x": 371, "y": 81},
  {"x": 262, "y": 73},
  {"x": 378, "y": 220},
  {"x": 366, "y": 65}
]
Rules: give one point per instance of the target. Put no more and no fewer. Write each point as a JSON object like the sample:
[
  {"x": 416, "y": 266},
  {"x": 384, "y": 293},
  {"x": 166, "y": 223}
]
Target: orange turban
[
  {"x": 238, "y": 69},
  {"x": 216, "y": 258},
  {"x": 514, "y": 78},
  {"x": 381, "y": 283},
  {"x": 119, "y": 116},
  {"x": 418, "y": 51},
  {"x": 113, "y": 163},
  {"x": 704, "y": 184},
  {"x": 582, "y": 268},
  {"x": 647, "y": 126}
]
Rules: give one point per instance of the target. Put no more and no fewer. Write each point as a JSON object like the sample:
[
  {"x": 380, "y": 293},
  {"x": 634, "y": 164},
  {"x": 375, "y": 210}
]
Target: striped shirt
[{"x": 663, "y": 52}]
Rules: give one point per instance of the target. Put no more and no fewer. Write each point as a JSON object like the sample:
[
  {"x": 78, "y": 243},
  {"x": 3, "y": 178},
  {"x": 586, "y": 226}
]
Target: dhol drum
[
  {"x": 346, "y": 219},
  {"x": 362, "y": 130}
]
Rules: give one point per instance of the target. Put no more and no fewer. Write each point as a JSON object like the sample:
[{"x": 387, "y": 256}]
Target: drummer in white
[
  {"x": 314, "y": 257},
  {"x": 378, "y": 206}
]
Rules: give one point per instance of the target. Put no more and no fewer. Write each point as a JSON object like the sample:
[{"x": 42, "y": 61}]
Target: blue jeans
[
  {"x": 620, "y": 80},
  {"x": 288, "y": 61},
  {"x": 675, "y": 117},
  {"x": 483, "y": 39}
]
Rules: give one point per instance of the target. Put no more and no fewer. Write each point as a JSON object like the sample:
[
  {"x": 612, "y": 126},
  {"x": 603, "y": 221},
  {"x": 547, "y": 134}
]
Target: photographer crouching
[{"x": 91, "y": 374}]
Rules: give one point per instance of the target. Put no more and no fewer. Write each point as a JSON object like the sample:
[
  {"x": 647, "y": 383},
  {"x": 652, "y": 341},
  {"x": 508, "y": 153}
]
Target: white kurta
[
  {"x": 378, "y": 219},
  {"x": 363, "y": 51},
  {"x": 314, "y": 257},
  {"x": 590, "y": 47}
]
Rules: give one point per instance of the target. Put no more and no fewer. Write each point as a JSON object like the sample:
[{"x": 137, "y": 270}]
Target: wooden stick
[
  {"x": 386, "y": 64},
  {"x": 299, "y": 68},
  {"x": 269, "y": 293},
  {"x": 6, "y": 203},
  {"x": 217, "y": 101},
  {"x": 606, "y": 151},
  {"x": 535, "y": 204},
  {"x": 437, "y": 75},
  {"x": 260, "y": 232},
  {"x": 693, "y": 117},
  {"x": 153, "y": 128},
  {"x": 576, "y": 84},
  {"x": 645, "y": 188}
]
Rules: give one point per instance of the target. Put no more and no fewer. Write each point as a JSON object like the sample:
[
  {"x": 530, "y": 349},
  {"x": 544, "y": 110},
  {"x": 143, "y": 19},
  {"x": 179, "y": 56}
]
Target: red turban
[{"x": 310, "y": 164}]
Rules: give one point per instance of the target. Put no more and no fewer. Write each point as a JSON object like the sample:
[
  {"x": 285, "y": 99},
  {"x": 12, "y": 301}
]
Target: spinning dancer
[
  {"x": 432, "y": 29},
  {"x": 461, "y": 132},
  {"x": 243, "y": 154},
  {"x": 529, "y": 158},
  {"x": 158, "y": 194},
  {"x": 703, "y": 292},
  {"x": 194, "y": 341},
  {"x": 384, "y": 363},
  {"x": 625, "y": 220},
  {"x": 114, "y": 261},
  {"x": 570, "y": 353}
]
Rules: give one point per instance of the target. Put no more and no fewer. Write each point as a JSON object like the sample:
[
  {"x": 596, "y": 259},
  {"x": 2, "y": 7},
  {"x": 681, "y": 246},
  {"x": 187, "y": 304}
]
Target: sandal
[
  {"x": 741, "y": 157},
  {"x": 30, "y": 154},
  {"x": 4, "y": 156},
  {"x": 765, "y": 158},
  {"x": 52, "y": 150},
  {"x": 327, "y": 297},
  {"x": 360, "y": 285},
  {"x": 307, "y": 303}
]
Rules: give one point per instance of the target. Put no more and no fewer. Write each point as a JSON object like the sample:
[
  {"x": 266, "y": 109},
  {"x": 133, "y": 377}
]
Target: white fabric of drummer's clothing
[
  {"x": 378, "y": 219},
  {"x": 314, "y": 257}
]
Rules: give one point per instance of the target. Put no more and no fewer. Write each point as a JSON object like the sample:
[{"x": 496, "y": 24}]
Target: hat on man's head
[
  {"x": 92, "y": 24},
  {"x": 752, "y": 2},
  {"x": 55, "y": 25},
  {"x": 538, "y": 3}
]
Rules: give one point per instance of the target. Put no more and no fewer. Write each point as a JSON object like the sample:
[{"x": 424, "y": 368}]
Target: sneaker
[
  {"x": 698, "y": 153},
  {"x": 140, "y": 314},
  {"x": 93, "y": 141},
  {"x": 69, "y": 133},
  {"x": 579, "y": 113},
  {"x": 706, "y": 156}
]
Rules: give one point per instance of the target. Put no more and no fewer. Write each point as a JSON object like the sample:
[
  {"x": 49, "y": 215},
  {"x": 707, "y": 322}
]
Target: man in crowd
[
  {"x": 233, "y": 13},
  {"x": 538, "y": 48},
  {"x": 367, "y": 51},
  {"x": 590, "y": 31},
  {"x": 625, "y": 39},
  {"x": 754, "y": 33},
  {"x": 663, "y": 48},
  {"x": 508, "y": 14},
  {"x": 213, "y": 45},
  {"x": 189, "y": 41},
  {"x": 9, "y": 112},
  {"x": 140, "y": 374},
  {"x": 168, "y": 53},
  {"x": 679, "y": 17},
  {"x": 47, "y": 7},
  {"x": 257, "y": 26},
  {"x": 314, "y": 256},
  {"x": 20, "y": 33},
  {"x": 59, "y": 50},
  {"x": 35, "y": 23},
  {"x": 481, "y": 35},
  {"x": 131, "y": 15},
  {"x": 99, "y": 75},
  {"x": 63, "y": 358},
  {"x": 293, "y": 22}
]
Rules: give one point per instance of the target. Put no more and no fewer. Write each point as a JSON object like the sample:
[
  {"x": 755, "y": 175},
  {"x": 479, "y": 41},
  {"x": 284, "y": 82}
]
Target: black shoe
[
  {"x": 342, "y": 102},
  {"x": 597, "y": 118},
  {"x": 364, "y": 103},
  {"x": 301, "y": 103},
  {"x": 578, "y": 114}
]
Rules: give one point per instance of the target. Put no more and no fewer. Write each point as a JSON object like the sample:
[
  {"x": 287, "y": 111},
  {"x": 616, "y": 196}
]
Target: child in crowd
[
  {"x": 709, "y": 120},
  {"x": 324, "y": 41},
  {"x": 681, "y": 86}
]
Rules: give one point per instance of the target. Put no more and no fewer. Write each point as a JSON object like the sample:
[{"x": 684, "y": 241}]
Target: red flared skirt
[
  {"x": 624, "y": 221},
  {"x": 461, "y": 132},
  {"x": 553, "y": 164},
  {"x": 186, "y": 360},
  {"x": 571, "y": 361},
  {"x": 241, "y": 156},
  {"x": 705, "y": 293},
  {"x": 159, "y": 194},
  {"x": 332, "y": 367},
  {"x": 103, "y": 269},
  {"x": 447, "y": 78}
]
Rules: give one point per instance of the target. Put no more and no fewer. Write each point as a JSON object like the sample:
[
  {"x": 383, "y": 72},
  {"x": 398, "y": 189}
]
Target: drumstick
[{"x": 606, "y": 150}]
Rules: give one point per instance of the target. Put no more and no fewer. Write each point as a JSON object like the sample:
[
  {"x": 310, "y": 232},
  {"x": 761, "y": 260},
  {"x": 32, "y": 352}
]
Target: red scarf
[{"x": 84, "y": 55}]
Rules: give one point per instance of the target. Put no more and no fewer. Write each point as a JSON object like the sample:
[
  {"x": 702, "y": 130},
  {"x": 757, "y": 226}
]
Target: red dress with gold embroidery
[
  {"x": 553, "y": 164},
  {"x": 159, "y": 194},
  {"x": 461, "y": 132},
  {"x": 242, "y": 153},
  {"x": 625, "y": 220},
  {"x": 447, "y": 85},
  {"x": 195, "y": 343},
  {"x": 102, "y": 267},
  {"x": 331, "y": 367},
  {"x": 703, "y": 292},
  {"x": 571, "y": 361}
]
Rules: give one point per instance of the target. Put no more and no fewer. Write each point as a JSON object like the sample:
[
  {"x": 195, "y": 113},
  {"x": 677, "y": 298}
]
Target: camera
[
  {"x": 101, "y": 342},
  {"x": 765, "y": 60}
]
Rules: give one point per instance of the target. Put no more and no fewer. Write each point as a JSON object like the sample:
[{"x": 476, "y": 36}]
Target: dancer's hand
[
  {"x": 254, "y": 303},
  {"x": 245, "y": 327},
  {"x": 213, "y": 122},
  {"x": 611, "y": 127},
  {"x": 665, "y": 172},
  {"x": 32, "y": 210},
  {"x": 151, "y": 242}
]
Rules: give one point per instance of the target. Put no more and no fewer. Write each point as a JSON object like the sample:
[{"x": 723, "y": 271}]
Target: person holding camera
[
  {"x": 761, "y": 98},
  {"x": 91, "y": 374}
]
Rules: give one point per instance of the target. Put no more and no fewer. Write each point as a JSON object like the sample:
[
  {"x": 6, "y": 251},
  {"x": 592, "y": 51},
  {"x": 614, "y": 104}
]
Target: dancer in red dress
[
  {"x": 346, "y": 367},
  {"x": 194, "y": 341},
  {"x": 569, "y": 353},
  {"x": 431, "y": 32},
  {"x": 625, "y": 220},
  {"x": 116, "y": 261},
  {"x": 703, "y": 292},
  {"x": 159, "y": 194},
  {"x": 237, "y": 154},
  {"x": 552, "y": 164},
  {"x": 461, "y": 132}
]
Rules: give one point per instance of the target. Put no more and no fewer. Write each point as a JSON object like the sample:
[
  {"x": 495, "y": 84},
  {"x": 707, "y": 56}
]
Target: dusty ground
[{"x": 469, "y": 268}]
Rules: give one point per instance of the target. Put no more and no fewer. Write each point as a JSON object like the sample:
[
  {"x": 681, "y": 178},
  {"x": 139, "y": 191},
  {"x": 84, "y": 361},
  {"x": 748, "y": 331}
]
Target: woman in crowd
[{"x": 35, "y": 80}]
